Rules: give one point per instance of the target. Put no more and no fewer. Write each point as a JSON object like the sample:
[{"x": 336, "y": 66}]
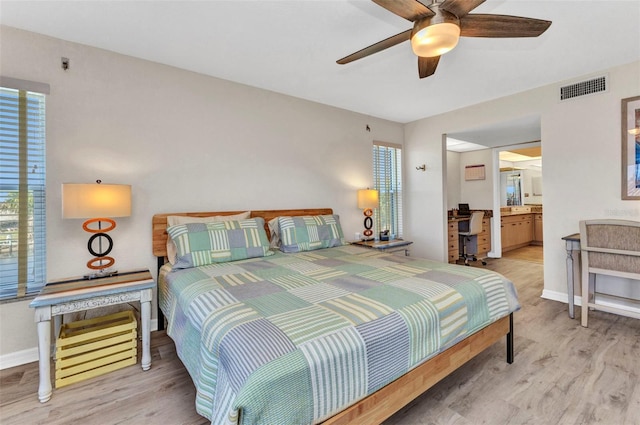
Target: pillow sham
[
  {"x": 173, "y": 220},
  {"x": 200, "y": 244},
  {"x": 307, "y": 233}
]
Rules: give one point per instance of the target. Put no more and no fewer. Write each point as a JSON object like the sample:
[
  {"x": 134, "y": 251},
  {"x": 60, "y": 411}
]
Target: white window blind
[
  {"x": 387, "y": 179},
  {"x": 22, "y": 191}
]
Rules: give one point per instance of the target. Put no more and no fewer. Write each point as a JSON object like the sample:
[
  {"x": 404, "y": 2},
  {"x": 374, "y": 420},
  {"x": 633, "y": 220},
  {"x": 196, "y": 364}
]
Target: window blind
[
  {"x": 387, "y": 179},
  {"x": 22, "y": 192}
]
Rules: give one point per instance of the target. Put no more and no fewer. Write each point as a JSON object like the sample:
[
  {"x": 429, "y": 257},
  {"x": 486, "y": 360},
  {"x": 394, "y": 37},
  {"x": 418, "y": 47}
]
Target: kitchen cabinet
[
  {"x": 537, "y": 229},
  {"x": 516, "y": 231}
]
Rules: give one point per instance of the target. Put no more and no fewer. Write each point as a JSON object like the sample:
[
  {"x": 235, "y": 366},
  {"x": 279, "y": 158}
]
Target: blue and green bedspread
[{"x": 295, "y": 338}]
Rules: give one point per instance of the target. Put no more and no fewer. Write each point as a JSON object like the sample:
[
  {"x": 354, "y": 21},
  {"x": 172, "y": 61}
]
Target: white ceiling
[{"x": 291, "y": 47}]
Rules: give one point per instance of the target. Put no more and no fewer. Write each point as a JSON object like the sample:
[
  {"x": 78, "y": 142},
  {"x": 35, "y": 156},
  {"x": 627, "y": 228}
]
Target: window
[
  {"x": 387, "y": 179},
  {"x": 22, "y": 189}
]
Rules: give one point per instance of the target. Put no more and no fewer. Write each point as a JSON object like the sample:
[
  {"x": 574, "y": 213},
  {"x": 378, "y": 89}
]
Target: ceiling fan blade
[
  {"x": 427, "y": 66},
  {"x": 501, "y": 26},
  {"x": 377, "y": 47},
  {"x": 407, "y": 9},
  {"x": 460, "y": 7}
]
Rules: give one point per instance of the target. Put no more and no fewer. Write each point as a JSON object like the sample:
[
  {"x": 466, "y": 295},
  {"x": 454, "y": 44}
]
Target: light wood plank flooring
[
  {"x": 562, "y": 374},
  {"x": 528, "y": 253}
]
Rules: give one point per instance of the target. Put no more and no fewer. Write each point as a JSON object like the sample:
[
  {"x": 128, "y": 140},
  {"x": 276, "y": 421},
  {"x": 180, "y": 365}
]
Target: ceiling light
[{"x": 436, "y": 35}]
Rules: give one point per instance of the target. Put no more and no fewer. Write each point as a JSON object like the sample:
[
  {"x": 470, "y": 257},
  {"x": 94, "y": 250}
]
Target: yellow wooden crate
[{"x": 93, "y": 347}]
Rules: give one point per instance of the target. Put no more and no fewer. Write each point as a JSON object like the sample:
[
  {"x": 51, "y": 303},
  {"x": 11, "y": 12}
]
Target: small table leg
[
  {"x": 145, "y": 316},
  {"x": 570, "y": 278},
  {"x": 44, "y": 344}
]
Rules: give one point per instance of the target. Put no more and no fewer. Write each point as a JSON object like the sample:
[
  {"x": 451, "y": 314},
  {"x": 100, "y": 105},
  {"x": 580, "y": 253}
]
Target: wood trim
[
  {"x": 380, "y": 405},
  {"x": 159, "y": 222}
]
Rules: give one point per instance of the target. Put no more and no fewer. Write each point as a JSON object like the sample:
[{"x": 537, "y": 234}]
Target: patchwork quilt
[{"x": 295, "y": 338}]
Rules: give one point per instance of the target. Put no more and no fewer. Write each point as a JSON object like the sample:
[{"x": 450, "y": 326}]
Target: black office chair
[{"x": 465, "y": 238}]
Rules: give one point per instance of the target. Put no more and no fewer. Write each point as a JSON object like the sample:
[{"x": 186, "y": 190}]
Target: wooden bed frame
[{"x": 380, "y": 405}]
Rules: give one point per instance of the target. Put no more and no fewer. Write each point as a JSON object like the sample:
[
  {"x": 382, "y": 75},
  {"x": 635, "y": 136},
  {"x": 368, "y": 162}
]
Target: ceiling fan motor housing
[{"x": 435, "y": 35}]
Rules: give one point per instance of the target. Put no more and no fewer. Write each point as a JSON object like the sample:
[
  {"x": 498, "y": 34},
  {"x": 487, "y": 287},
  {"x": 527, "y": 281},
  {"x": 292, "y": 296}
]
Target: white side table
[{"x": 78, "y": 294}]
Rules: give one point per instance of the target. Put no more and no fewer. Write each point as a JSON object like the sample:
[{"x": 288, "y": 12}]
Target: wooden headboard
[{"x": 159, "y": 222}]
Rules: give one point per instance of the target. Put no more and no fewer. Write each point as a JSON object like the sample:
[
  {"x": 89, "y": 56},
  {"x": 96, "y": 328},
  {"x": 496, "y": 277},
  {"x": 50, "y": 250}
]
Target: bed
[{"x": 327, "y": 333}]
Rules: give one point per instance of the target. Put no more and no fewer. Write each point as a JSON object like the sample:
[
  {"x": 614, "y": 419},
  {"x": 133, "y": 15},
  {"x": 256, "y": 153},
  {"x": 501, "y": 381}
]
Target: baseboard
[
  {"x": 604, "y": 299},
  {"x": 31, "y": 354},
  {"x": 563, "y": 297},
  {"x": 18, "y": 358}
]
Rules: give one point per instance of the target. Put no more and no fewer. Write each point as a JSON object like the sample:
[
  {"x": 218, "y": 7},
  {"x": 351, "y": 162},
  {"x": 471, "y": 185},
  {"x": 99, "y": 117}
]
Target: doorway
[
  {"x": 517, "y": 197},
  {"x": 482, "y": 145}
]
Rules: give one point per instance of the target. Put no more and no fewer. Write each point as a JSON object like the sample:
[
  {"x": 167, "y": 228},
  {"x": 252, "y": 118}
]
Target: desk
[
  {"x": 387, "y": 246},
  {"x": 573, "y": 264},
  {"x": 453, "y": 244},
  {"x": 483, "y": 239},
  {"x": 78, "y": 294}
]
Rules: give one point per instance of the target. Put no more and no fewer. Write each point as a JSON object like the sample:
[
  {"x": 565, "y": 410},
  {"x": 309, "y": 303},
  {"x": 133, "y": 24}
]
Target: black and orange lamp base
[
  {"x": 368, "y": 225},
  {"x": 101, "y": 260}
]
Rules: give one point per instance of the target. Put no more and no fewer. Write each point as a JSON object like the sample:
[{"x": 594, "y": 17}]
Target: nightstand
[
  {"x": 394, "y": 245},
  {"x": 78, "y": 294}
]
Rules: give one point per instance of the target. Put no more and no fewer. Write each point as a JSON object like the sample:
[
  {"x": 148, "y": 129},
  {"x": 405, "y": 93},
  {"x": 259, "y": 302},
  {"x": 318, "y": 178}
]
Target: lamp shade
[
  {"x": 368, "y": 198},
  {"x": 95, "y": 200}
]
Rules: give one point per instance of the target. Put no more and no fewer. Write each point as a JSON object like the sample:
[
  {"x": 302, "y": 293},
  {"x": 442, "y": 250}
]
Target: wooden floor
[
  {"x": 562, "y": 374},
  {"x": 528, "y": 253}
]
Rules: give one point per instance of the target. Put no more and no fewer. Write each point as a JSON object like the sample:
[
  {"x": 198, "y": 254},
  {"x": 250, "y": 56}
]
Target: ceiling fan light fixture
[
  {"x": 435, "y": 40},
  {"x": 435, "y": 35}
]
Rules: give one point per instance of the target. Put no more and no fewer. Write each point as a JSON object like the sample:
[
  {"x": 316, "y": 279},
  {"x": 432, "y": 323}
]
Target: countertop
[
  {"x": 487, "y": 214},
  {"x": 509, "y": 214}
]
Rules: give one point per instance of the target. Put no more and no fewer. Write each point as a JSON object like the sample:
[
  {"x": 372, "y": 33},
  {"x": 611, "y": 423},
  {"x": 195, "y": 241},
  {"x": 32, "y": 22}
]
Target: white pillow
[{"x": 174, "y": 220}]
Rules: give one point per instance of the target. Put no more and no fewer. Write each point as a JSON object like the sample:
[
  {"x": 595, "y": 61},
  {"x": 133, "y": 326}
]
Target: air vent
[{"x": 583, "y": 88}]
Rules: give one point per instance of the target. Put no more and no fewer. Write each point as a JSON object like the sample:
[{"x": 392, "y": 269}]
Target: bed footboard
[{"x": 388, "y": 400}]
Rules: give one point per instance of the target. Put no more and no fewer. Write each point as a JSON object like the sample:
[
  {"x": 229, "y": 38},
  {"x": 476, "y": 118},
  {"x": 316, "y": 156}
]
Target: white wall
[
  {"x": 529, "y": 175},
  {"x": 185, "y": 142},
  {"x": 453, "y": 179},
  {"x": 477, "y": 193},
  {"x": 581, "y": 142}
]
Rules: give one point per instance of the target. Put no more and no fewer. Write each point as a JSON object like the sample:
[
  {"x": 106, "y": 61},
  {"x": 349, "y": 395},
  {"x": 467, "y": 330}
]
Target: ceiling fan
[{"x": 437, "y": 26}]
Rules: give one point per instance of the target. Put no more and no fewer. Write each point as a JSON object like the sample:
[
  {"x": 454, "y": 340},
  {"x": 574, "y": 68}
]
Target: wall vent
[{"x": 592, "y": 86}]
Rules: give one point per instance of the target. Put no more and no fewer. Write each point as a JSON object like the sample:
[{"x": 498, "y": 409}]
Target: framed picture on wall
[
  {"x": 474, "y": 172},
  {"x": 631, "y": 148}
]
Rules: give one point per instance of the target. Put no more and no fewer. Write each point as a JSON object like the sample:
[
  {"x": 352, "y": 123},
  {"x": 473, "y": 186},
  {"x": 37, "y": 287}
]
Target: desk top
[
  {"x": 574, "y": 237},
  {"x": 458, "y": 218},
  {"x": 79, "y": 288}
]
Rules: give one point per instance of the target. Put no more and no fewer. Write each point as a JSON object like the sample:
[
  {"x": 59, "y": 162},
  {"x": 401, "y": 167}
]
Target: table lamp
[
  {"x": 367, "y": 201},
  {"x": 98, "y": 203}
]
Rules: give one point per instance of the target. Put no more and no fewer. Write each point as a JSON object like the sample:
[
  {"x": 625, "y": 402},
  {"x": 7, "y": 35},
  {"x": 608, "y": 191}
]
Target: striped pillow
[
  {"x": 199, "y": 244},
  {"x": 172, "y": 220},
  {"x": 306, "y": 233}
]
